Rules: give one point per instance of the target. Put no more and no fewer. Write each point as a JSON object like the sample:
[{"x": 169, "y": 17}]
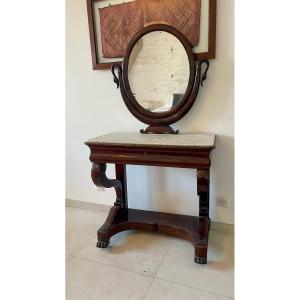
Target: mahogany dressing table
[
  {"x": 180, "y": 151},
  {"x": 159, "y": 82}
]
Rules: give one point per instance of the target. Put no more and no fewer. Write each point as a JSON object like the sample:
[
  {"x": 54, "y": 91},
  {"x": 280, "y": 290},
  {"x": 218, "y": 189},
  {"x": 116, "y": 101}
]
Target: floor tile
[
  {"x": 136, "y": 251},
  {"x": 81, "y": 226},
  {"x": 163, "y": 290},
  {"x": 88, "y": 280},
  {"x": 217, "y": 276}
]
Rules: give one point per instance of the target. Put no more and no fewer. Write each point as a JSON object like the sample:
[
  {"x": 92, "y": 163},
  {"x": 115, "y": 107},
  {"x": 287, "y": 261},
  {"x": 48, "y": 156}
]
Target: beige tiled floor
[{"x": 142, "y": 265}]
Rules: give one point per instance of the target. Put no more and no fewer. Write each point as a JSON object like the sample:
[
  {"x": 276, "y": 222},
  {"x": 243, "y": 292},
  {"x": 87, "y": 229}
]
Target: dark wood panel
[{"x": 151, "y": 160}]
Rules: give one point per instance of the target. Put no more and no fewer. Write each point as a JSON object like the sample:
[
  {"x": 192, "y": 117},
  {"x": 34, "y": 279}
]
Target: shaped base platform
[{"x": 191, "y": 228}]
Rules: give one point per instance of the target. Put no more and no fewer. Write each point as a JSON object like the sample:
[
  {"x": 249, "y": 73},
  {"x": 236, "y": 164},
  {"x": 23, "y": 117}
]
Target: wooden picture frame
[{"x": 98, "y": 65}]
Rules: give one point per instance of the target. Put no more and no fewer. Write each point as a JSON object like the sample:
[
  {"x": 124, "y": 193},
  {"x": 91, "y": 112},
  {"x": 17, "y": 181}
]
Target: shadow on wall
[{"x": 174, "y": 190}]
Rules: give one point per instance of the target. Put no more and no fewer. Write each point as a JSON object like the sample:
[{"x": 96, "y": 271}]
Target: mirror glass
[{"x": 158, "y": 71}]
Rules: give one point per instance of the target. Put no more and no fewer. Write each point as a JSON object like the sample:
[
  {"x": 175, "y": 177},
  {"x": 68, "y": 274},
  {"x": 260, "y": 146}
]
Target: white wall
[{"x": 94, "y": 106}]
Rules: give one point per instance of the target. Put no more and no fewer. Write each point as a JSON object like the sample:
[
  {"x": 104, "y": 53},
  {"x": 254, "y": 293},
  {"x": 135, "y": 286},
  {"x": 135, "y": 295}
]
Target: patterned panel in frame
[
  {"x": 99, "y": 62},
  {"x": 119, "y": 23}
]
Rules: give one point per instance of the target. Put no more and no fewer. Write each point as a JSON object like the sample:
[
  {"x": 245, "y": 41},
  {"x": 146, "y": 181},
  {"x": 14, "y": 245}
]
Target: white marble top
[{"x": 181, "y": 139}]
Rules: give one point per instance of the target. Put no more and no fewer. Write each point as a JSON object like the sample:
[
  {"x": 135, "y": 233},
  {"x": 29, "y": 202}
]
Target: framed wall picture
[{"x": 113, "y": 23}]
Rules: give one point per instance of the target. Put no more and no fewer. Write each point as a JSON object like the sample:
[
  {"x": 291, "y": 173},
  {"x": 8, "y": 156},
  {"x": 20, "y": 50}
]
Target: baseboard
[
  {"x": 222, "y": 227},
  {"x": 216, "y": 226},
  {"x": 87, "y": 205}
]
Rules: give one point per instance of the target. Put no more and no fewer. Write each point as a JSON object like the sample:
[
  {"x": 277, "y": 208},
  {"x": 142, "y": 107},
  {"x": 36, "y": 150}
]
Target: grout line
[
  {"x": 110, "y": 265},
  {"x": 153, "y": 278},
  {"x": 145, "y": 275},
  {"x": 158, "y": 268},
  {"x": 174, "y": 282},
  {"x": 171, "y": 243},
  {"x": 87, "y": 209},
  {"x": 76, "y": 251},
  {"x": 148, "y": 276},
  {"x": 191, "y": 287},
  {"x": 148, "y": 288},
  {"x": 114, "y": 267}
]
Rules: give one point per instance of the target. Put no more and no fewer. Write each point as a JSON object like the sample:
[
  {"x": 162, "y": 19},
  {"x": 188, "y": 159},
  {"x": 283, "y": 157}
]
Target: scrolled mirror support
[
  {"x": 115, "y": 77},
  {"x": 204, "y": 76}
]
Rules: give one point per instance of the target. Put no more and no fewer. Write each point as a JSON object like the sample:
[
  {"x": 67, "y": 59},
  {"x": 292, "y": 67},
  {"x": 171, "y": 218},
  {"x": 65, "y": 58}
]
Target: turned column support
[
  {"x": 203, "y": 192},
  {"x": 201, "y": 241},
  {"x": 122, "y": 177}
]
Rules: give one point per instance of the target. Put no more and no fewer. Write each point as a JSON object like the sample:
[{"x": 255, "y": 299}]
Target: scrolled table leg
[{"x": 99, "y": 178}]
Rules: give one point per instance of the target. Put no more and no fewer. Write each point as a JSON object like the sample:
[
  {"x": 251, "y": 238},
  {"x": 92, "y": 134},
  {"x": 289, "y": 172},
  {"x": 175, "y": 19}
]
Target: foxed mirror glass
[{"x": 158, "y": 71}]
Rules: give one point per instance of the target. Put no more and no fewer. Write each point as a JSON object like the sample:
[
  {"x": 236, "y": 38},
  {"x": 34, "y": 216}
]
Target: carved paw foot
[
  {"x": 201, "y": 253},
  {"x": 200, "y": 260},
  {"x": 102, "y": 244}
]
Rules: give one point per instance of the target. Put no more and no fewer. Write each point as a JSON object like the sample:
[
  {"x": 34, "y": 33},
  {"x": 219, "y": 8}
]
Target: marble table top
[{"x": 181, "y": 139}]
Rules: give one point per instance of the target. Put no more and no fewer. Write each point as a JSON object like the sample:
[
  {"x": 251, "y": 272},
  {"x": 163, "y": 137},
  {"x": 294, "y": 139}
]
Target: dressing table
[
  {"x": 159, "y": 82},
  {"x": 180, "y": 151}
]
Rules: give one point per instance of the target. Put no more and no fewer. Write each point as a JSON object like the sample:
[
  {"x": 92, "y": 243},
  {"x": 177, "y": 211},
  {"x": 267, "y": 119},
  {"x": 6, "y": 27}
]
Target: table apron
[{"x": 175, "y": 161}]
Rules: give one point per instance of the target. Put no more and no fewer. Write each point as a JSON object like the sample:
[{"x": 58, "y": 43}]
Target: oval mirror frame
[
  {"x": 158, "y": 71},
  {"x": 159, "y": 121}
]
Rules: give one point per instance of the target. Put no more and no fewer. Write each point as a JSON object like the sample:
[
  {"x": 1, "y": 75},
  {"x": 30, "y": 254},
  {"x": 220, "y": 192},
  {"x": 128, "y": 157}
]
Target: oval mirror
[
  {"x": 158, "y": 71},
  {"x": 160, "y": 78}
]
